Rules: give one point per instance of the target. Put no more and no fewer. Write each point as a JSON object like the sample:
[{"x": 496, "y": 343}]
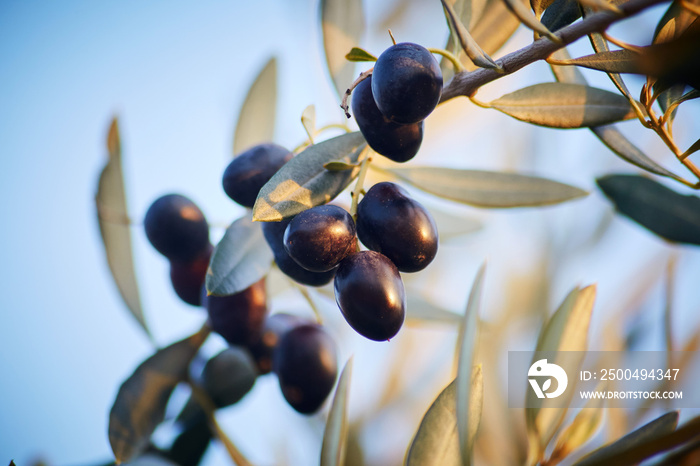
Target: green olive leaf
[
  {"x": 256, "y": 120},
  {"x": 529, "y": 19},
  {"x": 490, "y": 23},
  {"x": 609, "y": 134},
  {"x": 617, "y": 61},
  {"x": 358, "y": 54},
  {"x": 668, "y": 96},
  {"x": 303, "y": 182},
  {"x": 342, "y": 23},
  {"x": 657, "y": 208},
  {"x": 336, "y": 432},
  {"x": 469, "y": 45},
  {"x": 142, "y": 398},
  {"x": 241, "y": 258},
  {"x": 620, "y": 145},
  {"x": 113, "y": 219},
  {"x": 564, "y": 105},
  {"x": 600, "y": 44},
  {"x": 468, "y": 405},
  {"x": 487, "y": 189},
  {"x": 560, "y": 14},
  {"x": 636, "y": 441},
  {"x": 565, "y": 331},
  {"x": 436, "y": 442}
]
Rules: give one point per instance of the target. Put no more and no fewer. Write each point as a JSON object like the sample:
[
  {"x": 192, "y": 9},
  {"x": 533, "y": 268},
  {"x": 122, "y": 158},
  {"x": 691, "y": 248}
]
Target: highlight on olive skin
[
  {"x": 176, "y": 228},
  {"x": 370, "y": 294},
  {"x": 274, "y": 236},
  {"x": 406, "y": 83},
  {"x": 391, "y": 222},
  {"x": 320, "y": 237}
]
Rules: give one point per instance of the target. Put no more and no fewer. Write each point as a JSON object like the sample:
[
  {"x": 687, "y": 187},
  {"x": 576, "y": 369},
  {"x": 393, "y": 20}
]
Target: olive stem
[
  {"x": 209, "y": 408},
  {"x": 392, "y": 36},
  {"x": 307, "y": 296},
  {"x": 359, "y": 186},
  {"x": 344, "y": 103},
  {"x": 450, "y": 56}
]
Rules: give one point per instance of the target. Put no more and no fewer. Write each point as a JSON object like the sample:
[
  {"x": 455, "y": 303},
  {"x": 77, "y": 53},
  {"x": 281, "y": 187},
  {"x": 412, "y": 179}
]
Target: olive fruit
[
  {"x": 274, "y": 328},
  {"x": 177, "y": 228},
  {"x": 391, "y": 222},
  {"x": 188, "y": 277},
  {"x": 320, "y": 237},
  {"x": 239, "y": 317},
  {"x": 228, "y": 376},
  {"x": 251, "y": 169},
  {"x": 397, "y": 142},
  {"x": 306, "y": 366},
  {"x": 274, "y": 234},
  {"x": 370, "y": 294},
  {"x": 406, "y": 83}
]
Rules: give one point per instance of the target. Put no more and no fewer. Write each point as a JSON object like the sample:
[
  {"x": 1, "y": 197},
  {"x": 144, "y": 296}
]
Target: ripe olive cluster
[
  {"x": 391, "y": 104},
  {"x": 314, "y": 247},
  {"x": 299, "y": 351}
]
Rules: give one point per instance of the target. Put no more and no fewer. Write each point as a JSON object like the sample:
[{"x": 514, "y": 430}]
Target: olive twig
[
  {"x": 209, "y": 408},
  {"x": 344, "y": 103}
]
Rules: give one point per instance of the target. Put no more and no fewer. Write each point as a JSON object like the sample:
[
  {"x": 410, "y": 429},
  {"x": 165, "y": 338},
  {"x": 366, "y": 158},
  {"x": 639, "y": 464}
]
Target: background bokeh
[{"x": 176, "y": 74}]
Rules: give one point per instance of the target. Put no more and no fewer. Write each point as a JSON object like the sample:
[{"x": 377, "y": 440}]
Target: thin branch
[
  {"x": 344, "y": 103},
  {"x": 467, "y": 83}
]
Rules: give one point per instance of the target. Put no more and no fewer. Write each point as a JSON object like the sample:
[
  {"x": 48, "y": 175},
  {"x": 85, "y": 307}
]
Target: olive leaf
[
  {"x": 339, "y": 166},
  {"x": 487, "y": 189},
  {"x": 256, "y": 120},
  {"x": 560, "y": 14},
  {"x": 529, "y": 19},
  {"x": 564, "y": 105},
  {"x": 421, "y": 310},
  {"x": 565, "y": 331},
  {"x": 636, "y": 441},
  {"x": 692, "y": 149},
  {"x": 582, "y": 428},
  {"x": 600, "y": 44},
  {"x": 308, "y": 120},
  {"x": 142, "y": 398},
  {"x": 657, "y": 208},
  {"x": 617, "y": 61},
  {"x": 303, "y": 182},
  {"x": 538, "y": 6},
  {"x": 468, "y": 405},
  {"x": 342, "y": 23},
  {"x": 358, "y": 54},
  {"x": 113, "y": 219},
  {"x": 673, "y": 23},
  {"x": 336, "y": 431},
  {"x": 436, "y": 442},
  {"x": 609, "y": 134},
  {"x": 490, "y": 23},
  {"x": 241, "y": 258},
  {"x": 469, "y": 45}
]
